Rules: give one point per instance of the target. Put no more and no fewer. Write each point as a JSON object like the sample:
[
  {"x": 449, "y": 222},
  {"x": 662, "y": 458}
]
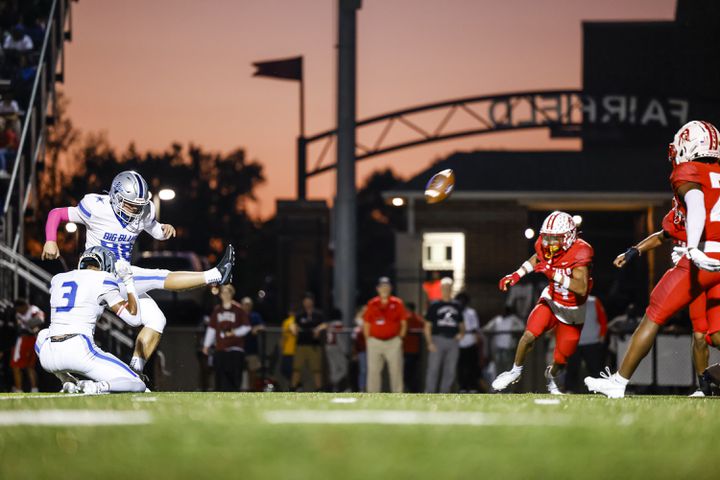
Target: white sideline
[
  {"x": 15, "y": 396},
  {"x": 419, "y": 417},
  {"x": 73, "y": 417}
]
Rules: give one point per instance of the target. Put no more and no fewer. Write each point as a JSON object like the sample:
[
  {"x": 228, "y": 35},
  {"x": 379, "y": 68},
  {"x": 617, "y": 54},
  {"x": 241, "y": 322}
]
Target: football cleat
[
  {"x": 69, "y": 387},
  {"x": 88, "y": 387},
  {"x": 551, "y": 384},
  {"x": 506, "y": 379},
  {"x": 607, "y": 384},
  {"x": 225, "y": 265}
]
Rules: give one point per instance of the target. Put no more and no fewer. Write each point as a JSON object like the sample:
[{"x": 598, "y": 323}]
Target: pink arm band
[{"x": 55, "y": 216}]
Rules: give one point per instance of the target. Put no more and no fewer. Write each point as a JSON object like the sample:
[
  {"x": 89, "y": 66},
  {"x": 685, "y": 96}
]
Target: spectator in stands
[
  {"x": 7, "y": 341},
  {"x": 226, "y": 331},
  {"x": 8, "y": 146},
  {"x": 288, "y": 343},
  {"x": 335, "y": 350},
  {"x": 17, "y": 39},
  {"x": 360, "y": 349},
  {"x": 309, "y": 324},
  {"x": 384, "y": 327},
  {"x": 28, "y": 319},
  {"x": 8, "y": 105},
  {"x": 444, "y": 328},
  {"x": 503, "y": 331},
  {"x": 412, "y": 355},
  {"x": 254, "y": 348},
  {"x": 35, "y": 29},
  {"x": 468, "y": 370},
  {"x": 591, "y": 347}
]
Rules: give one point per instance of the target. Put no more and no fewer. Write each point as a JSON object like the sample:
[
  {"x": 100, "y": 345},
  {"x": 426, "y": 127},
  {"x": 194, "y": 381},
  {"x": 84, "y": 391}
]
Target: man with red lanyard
[{"x": 384, "y": 328}]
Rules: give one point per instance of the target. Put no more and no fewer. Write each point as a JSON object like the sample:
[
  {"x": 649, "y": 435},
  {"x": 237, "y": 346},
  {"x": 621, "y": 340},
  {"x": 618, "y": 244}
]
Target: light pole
[{"x": 166, "y": 194}]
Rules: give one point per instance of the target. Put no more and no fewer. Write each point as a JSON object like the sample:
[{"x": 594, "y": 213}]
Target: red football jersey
[
  {"x": 580, "y": 254},
  {"x": 707, "y": 175}
]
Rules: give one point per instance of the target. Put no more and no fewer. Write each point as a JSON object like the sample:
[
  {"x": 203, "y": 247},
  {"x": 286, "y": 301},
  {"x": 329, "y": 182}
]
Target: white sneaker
[
  {"x": 506, "y": 379},
  {"x": 697, "y": 394},
  {"x": 551, "y": 385},
  {"x": 69, "y": 387},
  {"x": 607, "y": 384},
  {"x": 89, "y": 387}
]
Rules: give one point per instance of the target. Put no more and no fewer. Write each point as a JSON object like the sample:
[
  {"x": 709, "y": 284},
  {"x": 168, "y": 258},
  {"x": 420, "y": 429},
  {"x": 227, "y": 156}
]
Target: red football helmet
[
  {"x": 695, "y": 139},
  {"x": 557, "y": 234}
]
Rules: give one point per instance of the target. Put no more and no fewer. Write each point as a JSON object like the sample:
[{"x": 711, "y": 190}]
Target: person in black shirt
[
  {"x": 443, "y": 330},
  {"x": 309, "y": 323}
]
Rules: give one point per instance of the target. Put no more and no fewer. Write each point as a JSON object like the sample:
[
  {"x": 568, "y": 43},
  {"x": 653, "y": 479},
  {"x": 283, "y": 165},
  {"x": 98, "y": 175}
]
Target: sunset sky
[{"x": 154, "y": 72}]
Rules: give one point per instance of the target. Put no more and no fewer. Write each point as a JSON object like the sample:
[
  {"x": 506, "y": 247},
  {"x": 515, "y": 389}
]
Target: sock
[
  {"x": 621, "y": 380},
  {"x": 212, "y": 276},
  {"x": 517, "y": 368},
  {"x": 137, "y": 364}
]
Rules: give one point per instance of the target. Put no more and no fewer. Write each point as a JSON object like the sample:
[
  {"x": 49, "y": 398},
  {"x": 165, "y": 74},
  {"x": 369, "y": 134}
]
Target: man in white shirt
[
  {"x": 469, "y": 359},
  {"x": 503, "y": 338}
]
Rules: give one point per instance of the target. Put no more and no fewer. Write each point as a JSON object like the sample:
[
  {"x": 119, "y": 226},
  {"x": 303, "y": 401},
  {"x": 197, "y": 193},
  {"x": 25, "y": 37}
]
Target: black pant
[
  {"x": 592, "y": 355},
  {"x": 468, "y": 368},
  {"x": 229, "y": 366},
  {"x": 411, "y": 373}
]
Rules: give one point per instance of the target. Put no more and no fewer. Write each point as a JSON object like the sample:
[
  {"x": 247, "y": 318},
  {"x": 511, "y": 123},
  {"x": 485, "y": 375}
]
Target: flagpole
[{"x": 301, "y": 145}]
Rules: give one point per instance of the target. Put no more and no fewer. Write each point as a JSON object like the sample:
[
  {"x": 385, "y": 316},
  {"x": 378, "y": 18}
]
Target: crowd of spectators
[{"x": 22, "y": 30}]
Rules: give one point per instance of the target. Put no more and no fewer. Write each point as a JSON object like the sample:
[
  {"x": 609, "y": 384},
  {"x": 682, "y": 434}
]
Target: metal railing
[{"x": 31, "y": 148}]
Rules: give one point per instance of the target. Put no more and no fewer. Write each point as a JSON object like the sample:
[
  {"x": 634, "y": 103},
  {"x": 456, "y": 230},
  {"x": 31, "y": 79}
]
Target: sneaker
[
  {"x": 506, "y": 379},
  {"x": 225, "y": 265},
  {"x": 697, "y": 394},
  {"x": 551, "y": 385},
  {"x": 69, "y": 387},
  {"x": 88, "y": 387},
  {"x": 607, "y": 384}
]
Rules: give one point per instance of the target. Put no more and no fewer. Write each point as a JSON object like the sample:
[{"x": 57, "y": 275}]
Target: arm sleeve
[
  {"x": 153, "y": 227},
  {"x": 695, "y": 221},
  {"x": 55, "y": 216},
  {"x": 241, "y": 331},
  {"x": 209, "y": 340}
]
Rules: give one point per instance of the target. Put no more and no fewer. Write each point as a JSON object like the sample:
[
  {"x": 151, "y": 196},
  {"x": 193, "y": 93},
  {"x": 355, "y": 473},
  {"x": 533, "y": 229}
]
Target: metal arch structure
[{"x": 564, "y": 112}]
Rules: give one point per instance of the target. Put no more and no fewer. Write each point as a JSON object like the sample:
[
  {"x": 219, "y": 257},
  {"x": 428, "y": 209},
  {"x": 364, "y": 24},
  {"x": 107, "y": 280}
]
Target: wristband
[
  {"x": 631, "y": 253},
  {"x": 524, "y": 269}
]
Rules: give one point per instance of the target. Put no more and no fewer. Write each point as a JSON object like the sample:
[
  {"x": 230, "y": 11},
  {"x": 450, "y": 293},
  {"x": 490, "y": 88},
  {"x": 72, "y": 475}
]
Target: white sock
[
  {"x": 212, "y": 276},
  {"x": 137, "y": 364},
  {"x": 621, "y": 380},
  {"x": 517, "y": 368}
]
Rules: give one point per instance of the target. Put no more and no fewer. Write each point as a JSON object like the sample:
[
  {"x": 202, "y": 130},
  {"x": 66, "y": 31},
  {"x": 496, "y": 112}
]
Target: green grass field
[{"x": 215, "y": 435}]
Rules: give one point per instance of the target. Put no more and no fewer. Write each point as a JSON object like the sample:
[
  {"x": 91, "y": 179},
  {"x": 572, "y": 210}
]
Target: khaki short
[{"x": 310, "y": 354}]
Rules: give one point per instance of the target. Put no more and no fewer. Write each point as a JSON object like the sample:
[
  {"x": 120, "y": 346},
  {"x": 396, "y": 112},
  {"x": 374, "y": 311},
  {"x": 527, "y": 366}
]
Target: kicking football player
[
  {"x": 695, "y": 180},
  {"x": 77, "y": 299},
  {"x": 114, "y": 221},
  {"x": 566, "y": 261},
  {"x": 673, "y": 228}
]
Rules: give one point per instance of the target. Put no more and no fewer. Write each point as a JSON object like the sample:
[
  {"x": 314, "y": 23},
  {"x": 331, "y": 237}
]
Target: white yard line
[
  {"x": 419, "y": 417},
  {"x": 73, "y": 418},
  {"x": 344, "y": 400}
]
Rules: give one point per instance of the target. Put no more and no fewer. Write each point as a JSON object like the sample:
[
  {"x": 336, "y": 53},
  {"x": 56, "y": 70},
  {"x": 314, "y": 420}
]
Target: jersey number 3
[{"x": 69, "y": 296}]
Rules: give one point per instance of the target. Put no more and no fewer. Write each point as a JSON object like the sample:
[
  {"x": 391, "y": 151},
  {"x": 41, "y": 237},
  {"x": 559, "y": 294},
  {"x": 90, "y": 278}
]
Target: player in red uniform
[
  {"x": 566, "y": 261},
  {"x": 696, "y": 183},
  {"x": 673, "y": 228}
]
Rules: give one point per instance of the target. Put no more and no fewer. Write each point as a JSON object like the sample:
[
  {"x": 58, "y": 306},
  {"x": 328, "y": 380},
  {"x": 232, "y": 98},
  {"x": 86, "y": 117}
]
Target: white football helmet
[
  {"x": 129, "y": 195},
  {"x": 695, "y": 139},
  {"x": 558, "y": 232}
]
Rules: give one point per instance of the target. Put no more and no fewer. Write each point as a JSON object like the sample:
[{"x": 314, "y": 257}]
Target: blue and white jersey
[
  {"x": 106, "y": 229},
  {"x": 77, "y": 299}
]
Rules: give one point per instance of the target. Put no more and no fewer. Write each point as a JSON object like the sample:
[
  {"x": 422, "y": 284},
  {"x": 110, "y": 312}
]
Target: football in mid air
[{"x": 440, "y": 186}]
